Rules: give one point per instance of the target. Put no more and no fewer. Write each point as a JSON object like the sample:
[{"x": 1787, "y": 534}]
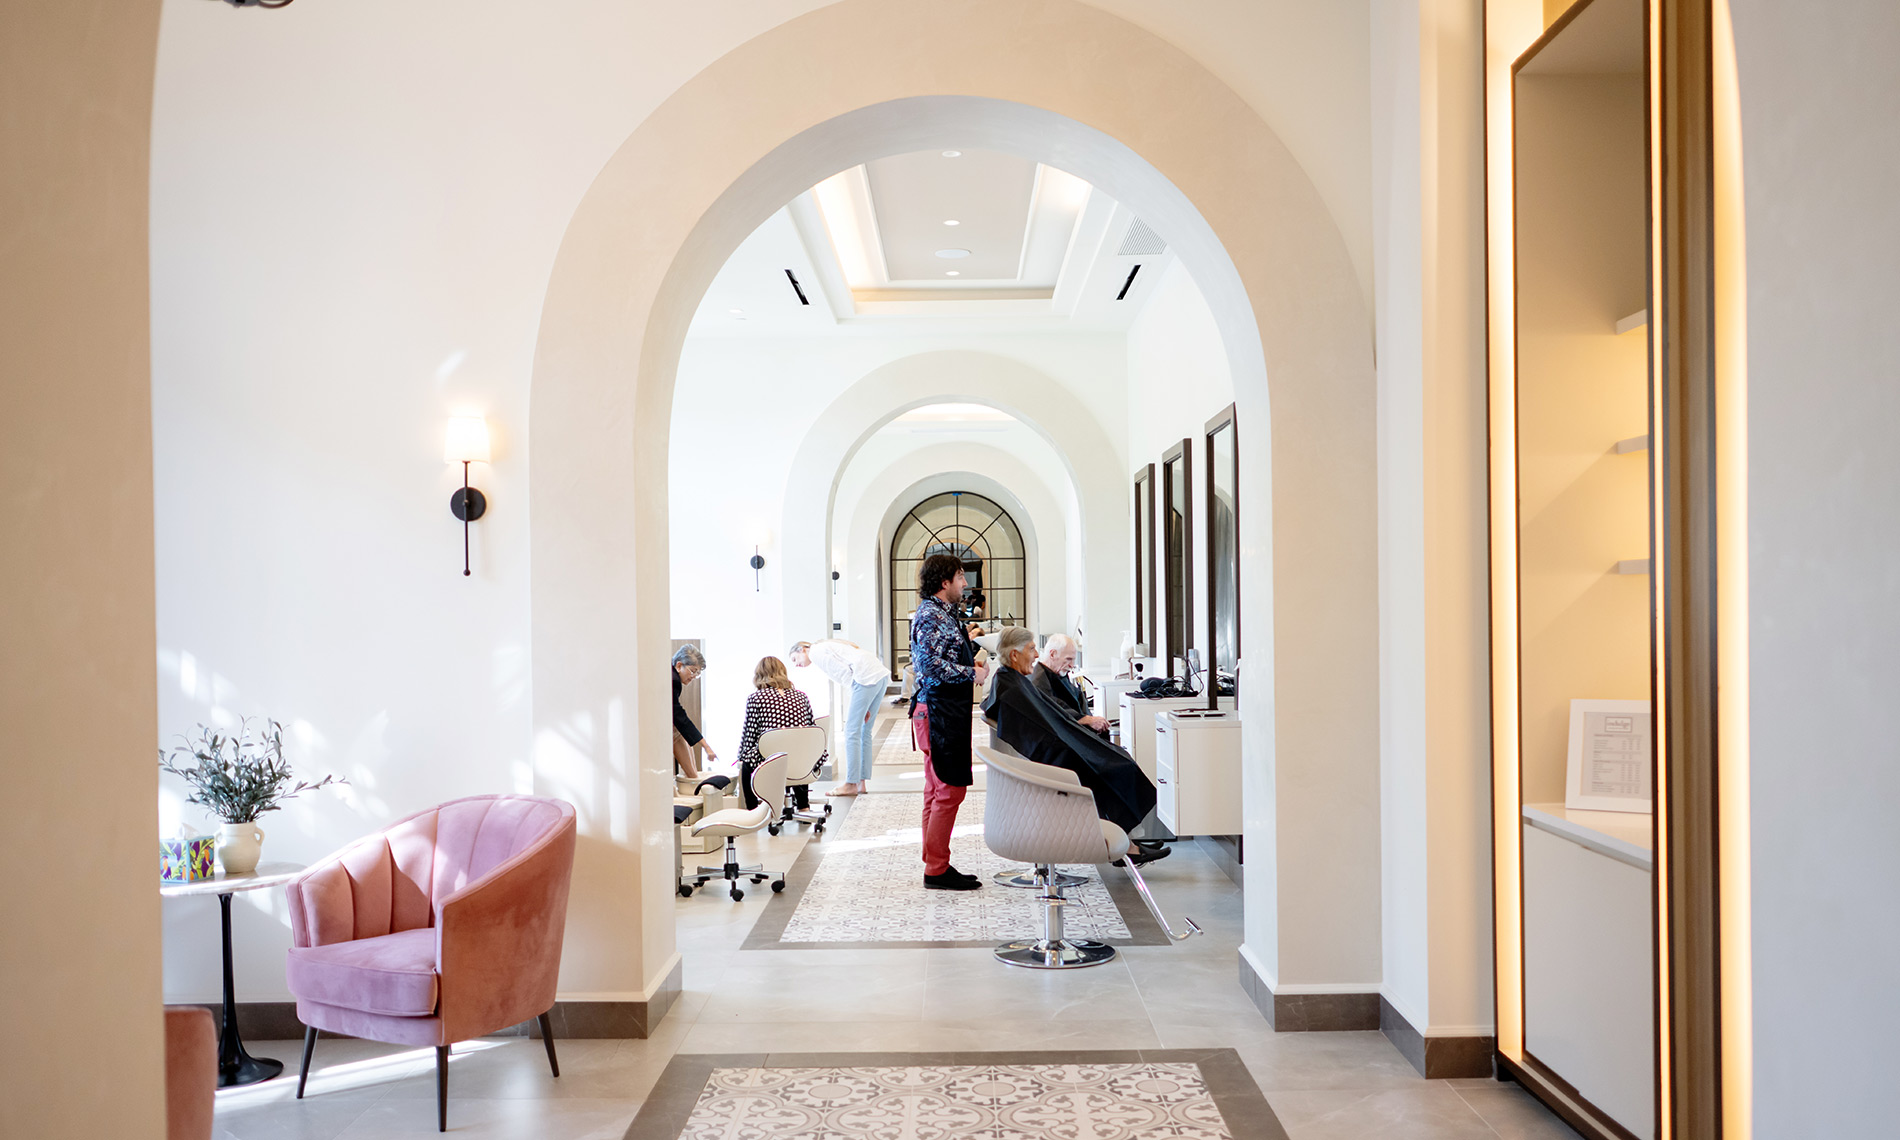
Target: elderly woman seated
[{"x": 1029, "y": 722}]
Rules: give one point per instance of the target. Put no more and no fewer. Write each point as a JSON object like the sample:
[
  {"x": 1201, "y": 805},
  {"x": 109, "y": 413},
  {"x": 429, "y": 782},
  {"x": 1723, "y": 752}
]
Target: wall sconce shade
[{"x": 467, "y": 440}]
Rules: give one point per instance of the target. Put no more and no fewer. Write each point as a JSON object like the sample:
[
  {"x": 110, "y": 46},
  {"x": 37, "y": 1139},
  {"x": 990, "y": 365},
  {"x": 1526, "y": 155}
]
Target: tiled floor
[
  {"x": 866, "y": 885},
  {"x": 1321, "y": 1085}
]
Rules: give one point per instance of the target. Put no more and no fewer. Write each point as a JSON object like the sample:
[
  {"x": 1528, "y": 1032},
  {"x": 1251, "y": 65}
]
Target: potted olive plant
[{"x": 238, "y": 778}]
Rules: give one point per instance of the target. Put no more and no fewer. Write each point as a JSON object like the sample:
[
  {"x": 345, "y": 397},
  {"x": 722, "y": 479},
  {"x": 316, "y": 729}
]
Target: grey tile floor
[{"x": 1321, "y": 1085}]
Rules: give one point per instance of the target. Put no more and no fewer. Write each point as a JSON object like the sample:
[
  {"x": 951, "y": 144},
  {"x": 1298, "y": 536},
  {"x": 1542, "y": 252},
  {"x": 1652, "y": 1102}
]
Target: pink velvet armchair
[{"x": 443, "y": 927}]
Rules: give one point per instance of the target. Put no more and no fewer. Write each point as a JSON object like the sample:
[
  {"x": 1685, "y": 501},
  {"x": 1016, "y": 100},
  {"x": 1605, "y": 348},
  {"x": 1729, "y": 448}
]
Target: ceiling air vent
[{"x": 1140, "y": 241}]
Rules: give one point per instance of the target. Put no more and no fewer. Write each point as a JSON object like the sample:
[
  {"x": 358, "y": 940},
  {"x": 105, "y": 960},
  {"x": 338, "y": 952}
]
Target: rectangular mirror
[
  {"x": 1583, "y": 401},
  {"x": 1145, "y": 559},
  {"x": 1223, "y": 542},
  {"x": 1177, "y": 556}
]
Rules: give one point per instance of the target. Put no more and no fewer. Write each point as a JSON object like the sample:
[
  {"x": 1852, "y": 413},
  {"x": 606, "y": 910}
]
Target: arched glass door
[{"x": 980, "y": 533}]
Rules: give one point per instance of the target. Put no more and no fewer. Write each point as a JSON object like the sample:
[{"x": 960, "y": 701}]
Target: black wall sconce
[
  {"x": 757, "y": 562},
  {"x": 467, "y": 443}
]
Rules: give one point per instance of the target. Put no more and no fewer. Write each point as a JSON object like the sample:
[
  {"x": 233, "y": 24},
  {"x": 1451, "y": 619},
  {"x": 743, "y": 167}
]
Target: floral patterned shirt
[{"x": 937, "y": 644}]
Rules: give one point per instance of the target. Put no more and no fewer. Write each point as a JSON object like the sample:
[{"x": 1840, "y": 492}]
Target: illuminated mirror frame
[
  {"x": 1183, "y": 454},
  {"x": 1223, "y": 422},
  {"x": 1145, "y": 558},
  {"x": 1698, "y": 345}
]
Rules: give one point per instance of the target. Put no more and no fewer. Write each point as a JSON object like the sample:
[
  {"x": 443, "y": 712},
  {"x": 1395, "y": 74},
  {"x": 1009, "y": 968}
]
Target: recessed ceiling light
[
  {"x": 953, "y": 254},
  {"x": 953, "y": 154},
  {"x": 951, "y": 222},
  {"x": 952, "y": 273},
  {"x": 736, "y": 312}
]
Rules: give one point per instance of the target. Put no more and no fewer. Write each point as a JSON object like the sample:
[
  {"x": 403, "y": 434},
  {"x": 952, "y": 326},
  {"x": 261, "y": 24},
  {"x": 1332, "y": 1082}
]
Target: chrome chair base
[
  {"x": 1025, "y": 877},
  {"x": 1061, "y": 954}
]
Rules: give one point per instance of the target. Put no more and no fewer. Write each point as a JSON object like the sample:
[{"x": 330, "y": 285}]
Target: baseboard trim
[
  {"x": 1225, "y": 851},
  {"x": 572, "y": 1020},
  {"x": 1310, "y": 1012},
  {"x": 1437, "y": 1058}
]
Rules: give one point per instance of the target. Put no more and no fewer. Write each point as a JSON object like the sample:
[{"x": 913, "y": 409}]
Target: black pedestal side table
[{"x": 235, "y": 1066}]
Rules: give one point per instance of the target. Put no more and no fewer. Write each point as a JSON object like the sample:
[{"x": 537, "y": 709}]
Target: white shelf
[
  {"x": 1633, "y": 443},
  {"x": 1634, "y": 321},
  {"x": 1633, "y": 566},
  {"x": 1621, "y": 835}
]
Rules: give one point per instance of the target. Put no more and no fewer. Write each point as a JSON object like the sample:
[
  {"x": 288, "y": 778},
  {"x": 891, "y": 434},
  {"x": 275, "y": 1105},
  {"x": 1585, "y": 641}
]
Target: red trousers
[{"x": 941, "y": 800}]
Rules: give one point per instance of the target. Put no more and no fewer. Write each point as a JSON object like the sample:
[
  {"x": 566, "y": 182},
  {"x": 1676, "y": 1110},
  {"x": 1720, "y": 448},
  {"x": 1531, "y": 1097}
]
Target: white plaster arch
[
  {"x": 987, "y": 471},
  {"x": 888, "y": 391},
  {"x": 1072, "y": 85}
]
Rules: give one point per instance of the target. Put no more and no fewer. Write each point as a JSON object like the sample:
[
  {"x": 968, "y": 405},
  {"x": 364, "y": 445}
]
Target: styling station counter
[
  {"x": 1138, "y": 723},
  {"x": 1197, "y": 772},
  {"x": 1589, "y": 998}
]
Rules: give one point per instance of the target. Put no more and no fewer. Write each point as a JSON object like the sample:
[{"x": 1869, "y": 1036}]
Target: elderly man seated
[
  {"x": 1051, "y": 678},
  {"x": 1040, "y": 730}
]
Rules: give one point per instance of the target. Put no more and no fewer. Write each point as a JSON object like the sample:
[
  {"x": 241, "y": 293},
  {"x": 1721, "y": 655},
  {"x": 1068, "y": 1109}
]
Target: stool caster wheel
[
  {"x": 686, "y": 892},
  {"x": 758, "y": 878},
  {"x": 818, "y": 829},
  {"x": 771, "y": 829},
  {"x": 778, "y": 887},
  {"x": 827, "y": 809},
  {"x": 737, "y": 894}
]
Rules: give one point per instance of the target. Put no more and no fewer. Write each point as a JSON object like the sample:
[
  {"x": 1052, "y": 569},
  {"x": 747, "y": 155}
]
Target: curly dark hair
[{"x": 937, "y": 572}]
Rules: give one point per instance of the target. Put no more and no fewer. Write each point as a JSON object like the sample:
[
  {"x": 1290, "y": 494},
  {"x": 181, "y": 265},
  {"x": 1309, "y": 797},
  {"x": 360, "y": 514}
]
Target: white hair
[{"x": 1058, "y": 641}]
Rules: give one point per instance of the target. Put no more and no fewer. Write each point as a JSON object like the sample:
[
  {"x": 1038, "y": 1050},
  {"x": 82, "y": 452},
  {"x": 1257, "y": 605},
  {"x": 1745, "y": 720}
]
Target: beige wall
[
  {"x": 79, "y": 950},
  {"x": 1434, "y": 672}
]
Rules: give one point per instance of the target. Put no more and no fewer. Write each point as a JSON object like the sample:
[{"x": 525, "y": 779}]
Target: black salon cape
[{"x": 1029, "y": 723}]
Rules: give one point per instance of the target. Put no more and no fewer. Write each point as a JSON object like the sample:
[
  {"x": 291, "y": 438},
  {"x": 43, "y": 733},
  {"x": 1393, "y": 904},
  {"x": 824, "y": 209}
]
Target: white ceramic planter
[{"x": 239, "y": 845}]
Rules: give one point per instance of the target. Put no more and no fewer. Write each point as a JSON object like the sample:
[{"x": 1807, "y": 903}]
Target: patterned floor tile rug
[
  {"x": 1073, "y": 1102},
  {"x": 861, "y": 884},
  {"x": 1188, "y": 1094}
]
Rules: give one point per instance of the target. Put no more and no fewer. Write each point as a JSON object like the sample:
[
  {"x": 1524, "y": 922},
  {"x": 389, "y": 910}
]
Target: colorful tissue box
[{"x": 187, "y": 860}]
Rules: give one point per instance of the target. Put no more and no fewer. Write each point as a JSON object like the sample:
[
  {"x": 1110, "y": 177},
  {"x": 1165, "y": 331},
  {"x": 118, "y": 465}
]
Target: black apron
[{"x": 949, "y": 710}]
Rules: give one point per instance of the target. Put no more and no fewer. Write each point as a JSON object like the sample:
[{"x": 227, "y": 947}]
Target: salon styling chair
[
  {"x": 1043, "y": 815},
  {"x": 803, "y": 749},
  {"x": 768, "y": 784},
  {"x": 1024, "y": 878}
]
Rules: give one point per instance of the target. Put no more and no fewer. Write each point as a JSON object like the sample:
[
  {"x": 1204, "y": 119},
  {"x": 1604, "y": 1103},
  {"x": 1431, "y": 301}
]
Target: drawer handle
[{"x": 1160, "y": 781}]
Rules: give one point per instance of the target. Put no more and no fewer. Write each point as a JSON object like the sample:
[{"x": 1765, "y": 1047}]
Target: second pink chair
[{"x": 445, "y": 926}]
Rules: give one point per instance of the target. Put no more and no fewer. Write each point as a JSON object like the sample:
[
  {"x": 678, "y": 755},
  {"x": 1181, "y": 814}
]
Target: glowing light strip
[
  {"x": 1658, "y": 683},
  {"x": 1511, "y": 26},
  {"x": 1731, "y": 575}
]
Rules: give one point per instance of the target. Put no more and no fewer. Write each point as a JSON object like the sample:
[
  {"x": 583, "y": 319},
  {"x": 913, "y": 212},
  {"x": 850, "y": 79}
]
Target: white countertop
[{"x": 1622, "y": 835}]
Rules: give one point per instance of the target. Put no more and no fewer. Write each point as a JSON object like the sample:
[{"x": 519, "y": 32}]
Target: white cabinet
[
  {"x": 1138, "y": 723},
  {"x": 1197, "y": 772},
  {"x": 1589, "y": 995}
]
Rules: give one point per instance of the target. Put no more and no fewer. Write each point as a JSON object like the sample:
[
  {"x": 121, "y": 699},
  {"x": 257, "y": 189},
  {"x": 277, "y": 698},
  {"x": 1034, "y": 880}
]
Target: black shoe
[
  {"x": 1142, "y": 856},
  {"x": 951, "y": 880}
]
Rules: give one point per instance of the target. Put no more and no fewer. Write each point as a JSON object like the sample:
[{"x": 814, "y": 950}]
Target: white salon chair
[
  {"x": 768, "y": 784},
  {"x": 1024, "y": 878},
  {"x": 1043, "y": 815},
  {"x": 803, "y": 749}
]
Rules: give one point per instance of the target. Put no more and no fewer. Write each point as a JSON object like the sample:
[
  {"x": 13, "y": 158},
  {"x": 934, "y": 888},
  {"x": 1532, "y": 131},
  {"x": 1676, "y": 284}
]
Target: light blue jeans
[{"x": 858, "y": 746}]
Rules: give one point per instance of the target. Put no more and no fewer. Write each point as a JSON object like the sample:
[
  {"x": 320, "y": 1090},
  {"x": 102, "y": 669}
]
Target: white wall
[
  {"x": 354, "y": 211},
  {"x": 1434, "y": 670},
  {"x": 1820, "y": 96},
  {"x": 884, "y": 476},
  {"x": 748, "y": 407}
]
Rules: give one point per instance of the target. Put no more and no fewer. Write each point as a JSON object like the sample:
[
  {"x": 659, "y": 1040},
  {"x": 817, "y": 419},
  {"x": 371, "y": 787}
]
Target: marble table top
[{"x": 266, "y": 875}]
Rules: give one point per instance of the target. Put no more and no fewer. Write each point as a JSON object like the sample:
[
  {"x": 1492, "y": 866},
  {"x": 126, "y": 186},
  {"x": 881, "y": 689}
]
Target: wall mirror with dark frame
[
  {"x": 1223, "y": 546},
  {"x": 1585, "y": 495},
  {"x": 1177, "y": 556},
  {"x": 1145, "y": 602}
]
